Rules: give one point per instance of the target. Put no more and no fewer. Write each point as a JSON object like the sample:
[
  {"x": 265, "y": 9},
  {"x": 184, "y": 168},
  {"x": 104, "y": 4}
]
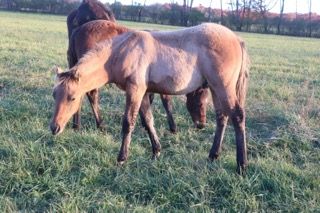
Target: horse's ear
[
  {"x": 57, "y": 70},
  {"x": 75, "y": 75}
]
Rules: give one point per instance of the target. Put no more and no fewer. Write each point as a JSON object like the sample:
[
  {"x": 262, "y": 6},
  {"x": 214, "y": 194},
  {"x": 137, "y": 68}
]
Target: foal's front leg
[
  {"x": 167, "y": 103},
  {"x": 76, "y": 119},
  {"x": 134, "y": 96},
  {"x": 147, "y": 118},
  {"x": 93, "y": 97}
]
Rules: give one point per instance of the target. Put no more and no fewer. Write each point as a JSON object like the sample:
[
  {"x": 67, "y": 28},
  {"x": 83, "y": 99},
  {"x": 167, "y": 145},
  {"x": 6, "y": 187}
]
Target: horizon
[{"x": 290, "y": 5}]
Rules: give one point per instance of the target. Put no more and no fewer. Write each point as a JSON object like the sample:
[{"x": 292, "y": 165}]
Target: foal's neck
[{"x": 92, "y": 71}]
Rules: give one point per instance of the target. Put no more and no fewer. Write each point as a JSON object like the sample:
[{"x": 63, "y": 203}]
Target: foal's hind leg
[
  {"x": 238, "y": 120},
  {"x": 93, "y": 97},
  {"x": 221, "y": 122},
  {"x": 147, "y": 118},
  {"x": 134, "y": 96},
  {"x": 167, "y": 104},
  {"x": 231, "y": 107}
]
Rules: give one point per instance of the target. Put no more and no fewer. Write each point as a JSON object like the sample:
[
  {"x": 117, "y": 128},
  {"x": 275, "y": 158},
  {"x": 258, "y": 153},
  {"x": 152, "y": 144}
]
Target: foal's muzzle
[{"x": 55, "y": 128}]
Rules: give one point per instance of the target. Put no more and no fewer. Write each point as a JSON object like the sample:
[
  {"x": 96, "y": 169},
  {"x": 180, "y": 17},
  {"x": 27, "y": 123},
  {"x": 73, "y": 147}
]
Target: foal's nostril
[{"x": 55, "y": 128}]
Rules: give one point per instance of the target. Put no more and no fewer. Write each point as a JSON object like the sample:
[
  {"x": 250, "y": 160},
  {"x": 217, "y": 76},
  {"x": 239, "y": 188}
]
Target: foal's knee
[
  {"x": 238, "y": 116},
  {"x": 221, "y": 119}
]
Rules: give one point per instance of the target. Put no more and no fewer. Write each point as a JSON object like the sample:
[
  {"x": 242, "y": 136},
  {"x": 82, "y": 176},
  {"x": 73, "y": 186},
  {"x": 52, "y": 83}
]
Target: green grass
[{"x": 77, "y": 171}]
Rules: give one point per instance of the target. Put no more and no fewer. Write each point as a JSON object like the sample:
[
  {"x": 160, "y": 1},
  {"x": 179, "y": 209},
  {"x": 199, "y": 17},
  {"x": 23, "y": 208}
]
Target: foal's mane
[{"x": 65, "y": 77}]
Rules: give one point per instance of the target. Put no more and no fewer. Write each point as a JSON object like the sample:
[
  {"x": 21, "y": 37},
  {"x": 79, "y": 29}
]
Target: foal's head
[
  {"x": 197, "y": 106},
  {"x": 90, "y": 10},
  {"x": 67, "y": 96}
]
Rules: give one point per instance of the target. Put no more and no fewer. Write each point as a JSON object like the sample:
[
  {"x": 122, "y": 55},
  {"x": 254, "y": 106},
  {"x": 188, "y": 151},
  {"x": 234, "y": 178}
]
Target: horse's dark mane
[
  {"x": 65, "y": 77},
  {"x": 100, "y": 10}
]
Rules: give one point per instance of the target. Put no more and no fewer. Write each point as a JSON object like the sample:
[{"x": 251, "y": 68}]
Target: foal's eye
[{"x": 70, "y": 98}]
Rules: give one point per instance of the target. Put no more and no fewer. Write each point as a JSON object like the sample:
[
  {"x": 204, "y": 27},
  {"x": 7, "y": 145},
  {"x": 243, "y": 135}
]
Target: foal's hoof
[
  {"x": 173, "y": 130},
  {"x": 121, "y": 160},
  {"x": 155, "y": 156},
  {"x": 200, "y": 125},
  {"x": 102, "y": 128},
  {"x": 120, "y": 163},
  {"x": 241, "y": 170},
  {"x": 76, "y": 127},
  {"x": 213, "y": 157}
]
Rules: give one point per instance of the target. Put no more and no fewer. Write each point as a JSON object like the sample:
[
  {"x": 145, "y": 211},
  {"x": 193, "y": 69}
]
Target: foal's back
[{"x": 178, "y": 62}]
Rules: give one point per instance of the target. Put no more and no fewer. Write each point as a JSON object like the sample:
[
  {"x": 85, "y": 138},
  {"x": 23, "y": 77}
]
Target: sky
[{"x": 290, "y": 5}]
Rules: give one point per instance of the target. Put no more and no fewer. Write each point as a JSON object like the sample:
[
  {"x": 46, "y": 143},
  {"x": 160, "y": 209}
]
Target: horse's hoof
[
  {"x": 102, "y": 128},
  {"x": 213, "y": 157},
  {"x": 173, "y": 131},
  {"x": 156, "y": 156},
  {"x": 200, "y": 125},
  {"x": 121, "y": 159},
  {"x": 76, "y": 128},
  {"x": 241, "y": 170},
  {"x": 120, "y": 163}
]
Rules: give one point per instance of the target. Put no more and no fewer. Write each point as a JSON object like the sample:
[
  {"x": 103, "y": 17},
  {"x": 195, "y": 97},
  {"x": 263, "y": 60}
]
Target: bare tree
[
  {"x": 187, "y": 7},
  {"x": 221, "y": 12},
  {"x": 140, "y": 10},
  {"x": 248, "y": 13},
  {"x": 280, "y": 15},
  {"x": 210, "y": 11},
  {"x": 310, "y": 19},
  {"x": 263, "y": 7}
]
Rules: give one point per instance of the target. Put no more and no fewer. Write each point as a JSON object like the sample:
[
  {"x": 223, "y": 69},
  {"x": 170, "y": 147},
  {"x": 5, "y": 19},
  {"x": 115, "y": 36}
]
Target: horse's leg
[
  {"x": 76, "y": 119},
  {"x": 227, "y": 101},
  {"x": 238, "y": 120},
  {"x": 151, "y": 97},
  {"x": 134, "y": 96},
  {"x": 167, "y": 104},
  {"x": 221, "y": 124},
  {"x": 93, "y": 97},
  {"x": 147, "y": 118}
]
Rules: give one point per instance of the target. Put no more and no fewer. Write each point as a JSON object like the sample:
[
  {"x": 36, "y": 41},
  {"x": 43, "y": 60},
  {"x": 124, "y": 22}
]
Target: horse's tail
[
  {"x": 71, "y": 53},
  {"x": 242, "y": 82}
]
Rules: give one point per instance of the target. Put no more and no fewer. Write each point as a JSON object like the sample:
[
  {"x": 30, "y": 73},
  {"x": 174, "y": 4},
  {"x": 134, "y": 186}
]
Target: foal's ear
[
  {"x": 57, "y": 70},
  {"x": 75, "y": 75}
]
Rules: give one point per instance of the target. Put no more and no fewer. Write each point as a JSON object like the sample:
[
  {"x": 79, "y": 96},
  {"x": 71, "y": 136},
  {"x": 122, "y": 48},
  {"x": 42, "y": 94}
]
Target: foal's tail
[{"x": 242, "y": 82}]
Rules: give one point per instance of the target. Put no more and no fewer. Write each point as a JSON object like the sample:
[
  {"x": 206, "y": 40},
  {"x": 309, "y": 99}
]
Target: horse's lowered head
[
  {"x": 91, "y": 10},
  {"x": 197, "y": 106},
  {"x": 67, "y": 96}
]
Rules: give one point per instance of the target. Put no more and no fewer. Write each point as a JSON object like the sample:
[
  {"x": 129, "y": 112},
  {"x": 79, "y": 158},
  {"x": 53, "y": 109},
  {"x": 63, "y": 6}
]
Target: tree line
[{"x": 243, "y": 15}]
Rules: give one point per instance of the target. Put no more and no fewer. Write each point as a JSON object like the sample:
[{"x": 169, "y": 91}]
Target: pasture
[{"x": 77, "y": 171}]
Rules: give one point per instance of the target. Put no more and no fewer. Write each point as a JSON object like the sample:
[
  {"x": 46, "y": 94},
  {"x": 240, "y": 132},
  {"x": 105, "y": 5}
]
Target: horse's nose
[
  {"x": 200, "y": 125},
  {"x": 55, "y": 128}
]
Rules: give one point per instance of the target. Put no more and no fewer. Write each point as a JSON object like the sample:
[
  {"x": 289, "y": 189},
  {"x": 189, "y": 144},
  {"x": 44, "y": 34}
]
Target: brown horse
[
  {"x": 85, "y": 39},
  {"x": 174, "y": 63},
  {"x": 88, "y": 10},
  {"x": 88, "y": 35}
]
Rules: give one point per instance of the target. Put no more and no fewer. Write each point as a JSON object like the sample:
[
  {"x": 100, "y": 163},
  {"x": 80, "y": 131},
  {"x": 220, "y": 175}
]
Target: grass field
[{"x": 77, "y": 171}]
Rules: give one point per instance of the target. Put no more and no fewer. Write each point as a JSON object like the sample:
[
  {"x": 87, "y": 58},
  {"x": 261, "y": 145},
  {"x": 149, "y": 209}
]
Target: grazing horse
[
  {"x": 174, "y": 63},
  {"x": 88, "y": 10},
  {"x": 88, "y": 35},
  {"x": 93, "y": 33}
]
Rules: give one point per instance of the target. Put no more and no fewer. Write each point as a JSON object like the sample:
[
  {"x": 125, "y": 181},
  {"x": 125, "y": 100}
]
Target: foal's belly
[{"x": 175, "y": 82}]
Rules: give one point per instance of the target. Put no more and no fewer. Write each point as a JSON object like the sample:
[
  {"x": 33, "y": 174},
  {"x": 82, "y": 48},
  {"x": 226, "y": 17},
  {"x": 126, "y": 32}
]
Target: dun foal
[
  {"x": 175, "y": 63},
  {"x": 88, "y": 35}
]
